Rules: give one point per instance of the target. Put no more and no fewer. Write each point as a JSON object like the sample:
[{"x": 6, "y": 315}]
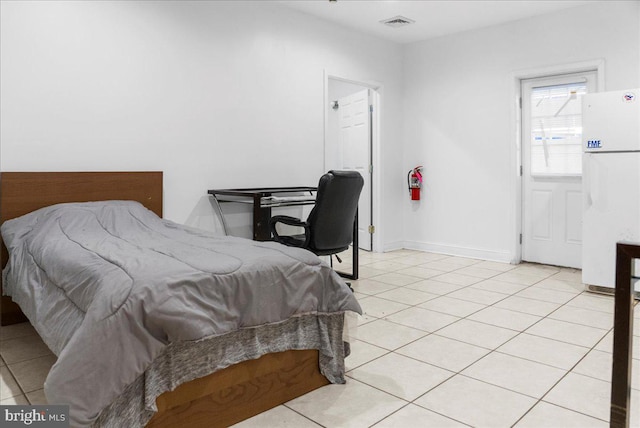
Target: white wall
[
  {"x": 231, "y": 94},
  {"x": 459, "y": 114},
  {"x": 215, "y": 94}
]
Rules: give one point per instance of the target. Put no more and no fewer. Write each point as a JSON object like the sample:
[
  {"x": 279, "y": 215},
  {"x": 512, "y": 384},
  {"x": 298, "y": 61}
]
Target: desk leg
[
  {"x": 222, "y": 220},
  {"x": 620, "y": 411},
  {"x": 355, "y": 247},
  {"x": 261, "y": 217}
]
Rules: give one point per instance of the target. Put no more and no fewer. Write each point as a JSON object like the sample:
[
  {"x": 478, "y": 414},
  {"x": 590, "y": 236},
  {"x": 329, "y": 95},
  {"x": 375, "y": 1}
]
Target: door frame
[
  {"x": 596, "y": 65},
  {"x": 374, "y": 150}
]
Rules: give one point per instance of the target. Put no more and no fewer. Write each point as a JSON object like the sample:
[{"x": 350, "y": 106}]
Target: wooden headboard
[{"x": 23, "y": 192}]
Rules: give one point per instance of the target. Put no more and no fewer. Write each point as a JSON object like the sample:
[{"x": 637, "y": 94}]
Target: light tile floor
[{"x": 444, "y": 342}]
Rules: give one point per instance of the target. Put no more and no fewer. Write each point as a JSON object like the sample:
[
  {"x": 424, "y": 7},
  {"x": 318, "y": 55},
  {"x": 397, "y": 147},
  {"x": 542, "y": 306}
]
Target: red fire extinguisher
[{"x": 414, "y": 180}]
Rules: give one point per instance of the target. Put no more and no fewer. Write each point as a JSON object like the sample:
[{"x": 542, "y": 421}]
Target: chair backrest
[{"x": 331, "y": 219}]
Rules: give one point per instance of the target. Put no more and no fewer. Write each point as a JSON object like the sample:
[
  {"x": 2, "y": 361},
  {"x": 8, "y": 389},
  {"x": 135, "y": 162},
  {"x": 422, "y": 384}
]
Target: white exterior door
[
  {"x": 552, "y": 168},
  {"x": 354, "y": 153}
]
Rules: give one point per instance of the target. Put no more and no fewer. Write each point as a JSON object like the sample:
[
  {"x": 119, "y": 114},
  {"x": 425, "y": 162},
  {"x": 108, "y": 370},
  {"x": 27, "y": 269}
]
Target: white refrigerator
[{"x": 611, "y": 183}]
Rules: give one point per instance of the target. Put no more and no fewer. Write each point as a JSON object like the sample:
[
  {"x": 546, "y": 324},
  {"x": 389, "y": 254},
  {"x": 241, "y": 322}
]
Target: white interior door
[
  {"x": 552, "y": 168},
  {"x": 354, "y": 153}
]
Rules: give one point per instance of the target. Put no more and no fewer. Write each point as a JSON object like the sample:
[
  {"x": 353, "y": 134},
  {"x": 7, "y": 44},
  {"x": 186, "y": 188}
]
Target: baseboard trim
[
  {"x": 393, "y": 246},
  {"x": 474, "y": 253}
]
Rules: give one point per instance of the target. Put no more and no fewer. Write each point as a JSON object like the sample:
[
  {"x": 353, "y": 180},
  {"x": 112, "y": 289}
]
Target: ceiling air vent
[{"x": 397, "y": 21}]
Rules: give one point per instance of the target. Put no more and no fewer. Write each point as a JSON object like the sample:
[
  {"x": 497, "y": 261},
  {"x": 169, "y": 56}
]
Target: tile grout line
[
  {"x": 495, "y": 350},
  {"x": 465, "y": 317},
  {"x": 303, "y": 415},
  {"x": 15, "y": 379},
  {"x": 561, "y": 305},
  {"x": 541, "y": 399},
  {"x": 454, "y": 373}
]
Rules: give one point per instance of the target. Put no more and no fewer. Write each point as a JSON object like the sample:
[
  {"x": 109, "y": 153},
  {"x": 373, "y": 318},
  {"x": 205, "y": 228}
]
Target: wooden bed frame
[{"x": 217, "y": 400}]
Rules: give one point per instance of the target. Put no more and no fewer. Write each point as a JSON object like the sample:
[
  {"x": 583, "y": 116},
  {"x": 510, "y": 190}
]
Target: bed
[{"x": 214, "y": 380}]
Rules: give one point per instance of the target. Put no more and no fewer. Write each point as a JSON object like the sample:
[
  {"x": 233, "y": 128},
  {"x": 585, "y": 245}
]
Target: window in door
[{"x": 556, "y": 129}]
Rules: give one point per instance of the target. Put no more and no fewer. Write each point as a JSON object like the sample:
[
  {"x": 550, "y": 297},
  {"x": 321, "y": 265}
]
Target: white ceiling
[{"x": 433, "y": 18}]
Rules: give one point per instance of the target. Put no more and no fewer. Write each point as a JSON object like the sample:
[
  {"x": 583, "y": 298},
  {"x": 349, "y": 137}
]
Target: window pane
[{"x": 556, "y": 129}]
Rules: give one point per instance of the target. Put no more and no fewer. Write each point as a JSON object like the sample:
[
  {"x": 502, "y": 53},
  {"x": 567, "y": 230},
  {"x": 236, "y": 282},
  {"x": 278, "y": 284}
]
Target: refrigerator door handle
[{"x": 586, "y": 180}]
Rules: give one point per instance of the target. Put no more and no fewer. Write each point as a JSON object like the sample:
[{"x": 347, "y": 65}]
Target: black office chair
[{"x": 329, "y": 227}]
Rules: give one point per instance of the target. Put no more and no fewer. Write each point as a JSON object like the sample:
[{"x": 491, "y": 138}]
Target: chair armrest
[
  {"x": 290, "y": 221},
  {"x": 285, "y": 219}
]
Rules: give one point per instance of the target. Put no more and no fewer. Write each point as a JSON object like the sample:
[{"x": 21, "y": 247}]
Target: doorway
[
  {"x": 351, "y": 124},
  {"x": 551, "y": 117}
]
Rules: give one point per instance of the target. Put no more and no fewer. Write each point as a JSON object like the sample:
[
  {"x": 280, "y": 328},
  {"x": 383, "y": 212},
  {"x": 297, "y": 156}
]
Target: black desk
[
  {"x": 264, "y": 199},
  {"x": 620, "y": 410}
]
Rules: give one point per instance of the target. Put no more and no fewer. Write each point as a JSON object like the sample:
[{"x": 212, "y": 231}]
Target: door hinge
[
  {"x": 521, "y": 238},
  {"x": 370, "y": 169},
  {"x": 520, "y": 170},
  {"x": 371, "y": 108},
  {"x": 520, "y": 102},
  {"x": 372, "y": 229}
]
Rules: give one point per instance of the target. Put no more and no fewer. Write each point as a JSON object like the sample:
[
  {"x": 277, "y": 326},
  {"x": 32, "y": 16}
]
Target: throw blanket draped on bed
[{"x": 108, "y": 285}]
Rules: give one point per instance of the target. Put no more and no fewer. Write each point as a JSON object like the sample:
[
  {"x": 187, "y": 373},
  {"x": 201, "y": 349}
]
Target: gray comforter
[{"x": 108, "y": 285}]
